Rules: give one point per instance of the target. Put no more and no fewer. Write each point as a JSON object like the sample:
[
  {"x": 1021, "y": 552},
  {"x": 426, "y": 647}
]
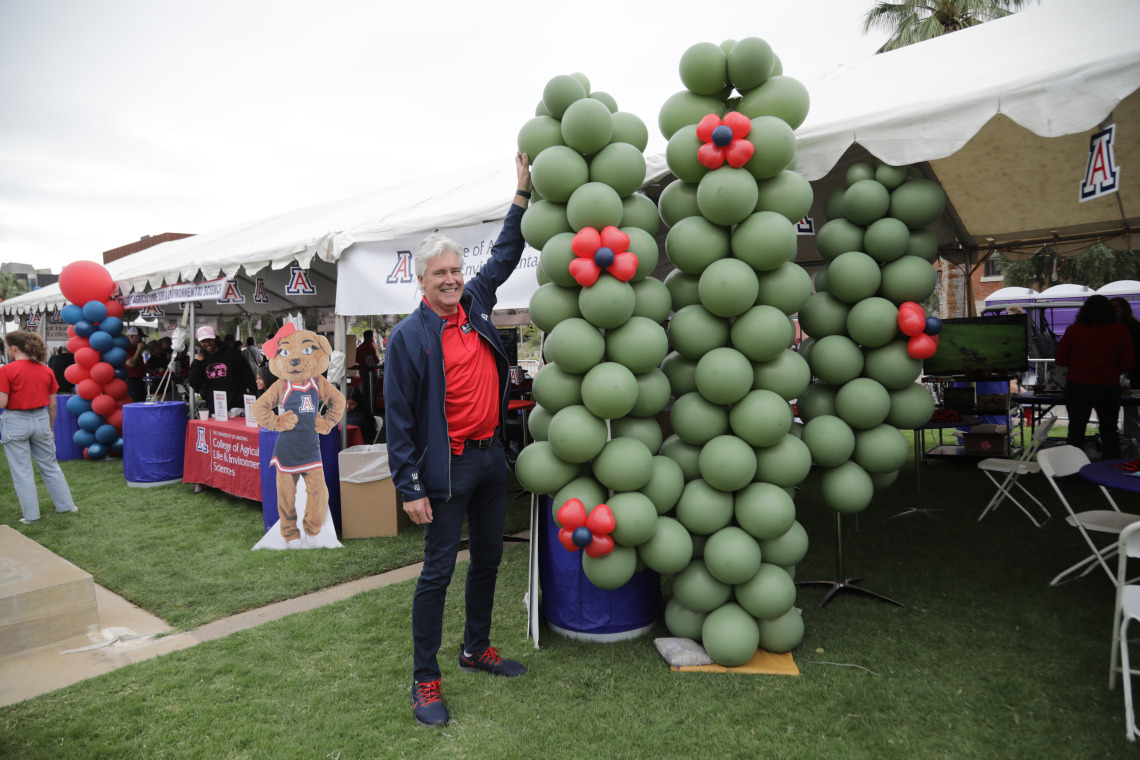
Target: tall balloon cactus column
[
  {"x": 732, "y": 239},
  {"x": 869, "y": 336},
  {"x": 595, "y": 440},
  {"x": 714, "y": 503}
]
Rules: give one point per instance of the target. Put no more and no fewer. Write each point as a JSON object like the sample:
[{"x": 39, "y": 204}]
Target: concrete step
[{"x": 44, "y": 599}]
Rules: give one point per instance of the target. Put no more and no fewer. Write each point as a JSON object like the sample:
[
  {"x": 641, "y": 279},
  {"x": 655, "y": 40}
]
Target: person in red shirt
[
  {"x": 27, "y": 396},
  {"x": 368, "y": 364},
  {"x": 445, "y": 397},
  {"x": 136, "y": 366},
  {"x": 1096, "y": 349}
]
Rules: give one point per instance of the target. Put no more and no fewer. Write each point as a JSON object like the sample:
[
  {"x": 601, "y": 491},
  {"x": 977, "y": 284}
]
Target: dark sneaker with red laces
[
  {"x": 490, "y": 661},
  {"x": 427, "y": 704}
]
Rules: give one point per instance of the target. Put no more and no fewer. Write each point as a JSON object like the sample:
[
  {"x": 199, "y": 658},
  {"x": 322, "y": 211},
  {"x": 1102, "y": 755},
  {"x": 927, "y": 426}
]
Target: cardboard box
[
  {"x": 988, "y": 440},
  {"x": 368, "y": 510},
  {"x": 369, "y": 504}
]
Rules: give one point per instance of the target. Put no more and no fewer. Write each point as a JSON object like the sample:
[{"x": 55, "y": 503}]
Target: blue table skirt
[{"x": 330, "y": 456}]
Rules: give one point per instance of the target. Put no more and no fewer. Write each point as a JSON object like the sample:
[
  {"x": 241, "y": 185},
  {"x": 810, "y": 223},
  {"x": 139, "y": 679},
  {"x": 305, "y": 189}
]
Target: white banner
[
  {"x": 56, "y": 328},
  {"x": 211, "y": 290},
  {"x": 379, "y": 278}
]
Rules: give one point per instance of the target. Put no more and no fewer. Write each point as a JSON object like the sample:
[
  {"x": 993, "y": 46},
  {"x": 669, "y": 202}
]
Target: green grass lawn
[
  {"x": 985, "y": 660},
  {"x": 186, "y": 557}
]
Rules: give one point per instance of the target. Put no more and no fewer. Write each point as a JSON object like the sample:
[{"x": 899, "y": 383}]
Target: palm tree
[
  {"x": 11, "y": 286},
  {"x": 911, "y": 21}
]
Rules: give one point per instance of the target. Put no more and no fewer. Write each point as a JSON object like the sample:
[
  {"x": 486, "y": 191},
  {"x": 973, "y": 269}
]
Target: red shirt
[
  {"x": 29, "y": 385},
  {"x": 137, "y": 371},
  {"x": 364, "y": 352},
  {"x": 1095, "y": 354},
  {"x": 472, "y": 401}
]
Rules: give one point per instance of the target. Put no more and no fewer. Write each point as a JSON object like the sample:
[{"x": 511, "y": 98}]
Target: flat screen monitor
[{"x": 981, "y": 347}]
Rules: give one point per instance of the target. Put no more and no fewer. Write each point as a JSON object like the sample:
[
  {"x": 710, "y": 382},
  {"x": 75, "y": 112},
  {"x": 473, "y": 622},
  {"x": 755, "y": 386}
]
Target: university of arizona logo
[
  {"x": 402, "y": 272},
  {"x": 55, "y": 317},
  {"x": 231, "y": 294},
  {"x": 259, "y": 295},
  {"x": 1102, "y": 175},
  {"x": 150, "y": 312},
  {"x": 307, "y": 404},
  {"x": 299, "y": 284},
  {"x": 805, "y": 226},
  {"x": 201, "y": 443},
  {"x": 33, "y": 320}
]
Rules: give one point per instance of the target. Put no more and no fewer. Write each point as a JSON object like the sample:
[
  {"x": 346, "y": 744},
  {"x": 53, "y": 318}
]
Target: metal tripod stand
[{"x": 841, "y": 583}]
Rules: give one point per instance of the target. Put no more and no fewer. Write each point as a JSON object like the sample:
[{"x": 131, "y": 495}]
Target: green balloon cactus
[
  {"x": 732, "y": 215},
  {"x": 714, "y": 502},
  {"x": 879, "y": 250},
  {"x": 597, "y": 440}
]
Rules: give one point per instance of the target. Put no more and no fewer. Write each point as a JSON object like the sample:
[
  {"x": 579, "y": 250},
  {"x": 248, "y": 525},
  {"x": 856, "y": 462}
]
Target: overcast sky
[{"x": 124, "y": 118}]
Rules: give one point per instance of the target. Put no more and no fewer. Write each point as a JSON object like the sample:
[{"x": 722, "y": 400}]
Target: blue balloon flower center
[
  {"x": 582, "y": 537},
  {"x": 722, "y": 135},
  {"x": 604, "y": 257}
]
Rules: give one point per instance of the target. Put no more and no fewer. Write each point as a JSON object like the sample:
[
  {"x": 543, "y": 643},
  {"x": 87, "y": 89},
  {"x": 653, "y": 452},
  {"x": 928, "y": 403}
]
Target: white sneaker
[
  {"x": 310, "y": 542},
  {"x": 66, "y": 511},
  {"x": 294, "y": 544},
  {"x": 28, "y": 522}
]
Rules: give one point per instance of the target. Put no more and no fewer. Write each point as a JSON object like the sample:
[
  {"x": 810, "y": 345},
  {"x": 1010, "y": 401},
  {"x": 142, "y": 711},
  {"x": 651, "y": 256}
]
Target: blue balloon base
[
  {"x": 575, "y": 607},
  {"x": 154, "y": 442}
]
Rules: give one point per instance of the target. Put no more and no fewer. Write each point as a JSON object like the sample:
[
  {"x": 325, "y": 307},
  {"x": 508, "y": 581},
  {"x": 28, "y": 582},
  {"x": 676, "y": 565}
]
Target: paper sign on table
[
  {"x": 221, "y": 411},
  {"x": 248, "y": 410}
]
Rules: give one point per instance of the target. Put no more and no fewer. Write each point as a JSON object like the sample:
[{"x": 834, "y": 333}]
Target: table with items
[
  {"x": 1121, "y": 474},
  {"x": 227, "y": 455}
]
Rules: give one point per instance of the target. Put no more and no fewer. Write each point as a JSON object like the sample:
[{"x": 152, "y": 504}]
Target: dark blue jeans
[
  {"x": 1081, "y": 399},
  {"x": 478, "y": 493}
]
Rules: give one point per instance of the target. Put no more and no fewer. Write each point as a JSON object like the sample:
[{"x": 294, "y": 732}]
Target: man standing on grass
[{"x": 445, "y": 394}]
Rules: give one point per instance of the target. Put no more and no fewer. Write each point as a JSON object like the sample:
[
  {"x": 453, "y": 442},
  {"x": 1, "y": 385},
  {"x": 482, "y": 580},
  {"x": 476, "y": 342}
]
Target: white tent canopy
[
  {"x": 1012, "y": 294},
  {"x": 1003, "y": 112},
  {"x": 312, "y": 238}
]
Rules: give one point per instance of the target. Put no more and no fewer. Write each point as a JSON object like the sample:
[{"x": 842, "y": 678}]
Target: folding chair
[
  {"x": 1012, "y": 469},
  {"x": 1127, "y": 610},
  {"x": 1068, "y": 460},
  {"x": 379, "y": 427}
]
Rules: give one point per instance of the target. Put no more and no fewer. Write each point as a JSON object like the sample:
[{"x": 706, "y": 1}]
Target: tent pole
[
  {"x": 339, "y": 345},
  {"x": 971, "y": 310},
  {"x": 191, "y": 339}
]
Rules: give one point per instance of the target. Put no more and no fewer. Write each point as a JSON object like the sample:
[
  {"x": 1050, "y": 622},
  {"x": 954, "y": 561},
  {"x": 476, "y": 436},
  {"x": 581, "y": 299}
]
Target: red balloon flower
[
  {"x": 912, "y": 319},
  {"x": 581, "y": 531},
  {"x": 608, "y": 250},
  {"x": 912, "y": 323},
  {"x": 922, "y": 346},
  {"x": 724, "y": 140}
]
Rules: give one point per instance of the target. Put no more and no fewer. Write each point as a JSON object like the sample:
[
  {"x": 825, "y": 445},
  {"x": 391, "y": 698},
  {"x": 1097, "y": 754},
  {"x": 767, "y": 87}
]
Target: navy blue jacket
[{"x": 415, "y": 387}]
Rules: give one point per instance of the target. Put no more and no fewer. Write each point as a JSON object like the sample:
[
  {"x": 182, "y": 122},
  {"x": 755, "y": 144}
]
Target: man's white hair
[{"x": 431, "y": 248}]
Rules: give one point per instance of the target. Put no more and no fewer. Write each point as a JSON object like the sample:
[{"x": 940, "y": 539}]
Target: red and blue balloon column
[{"x": 96, "y": 339}]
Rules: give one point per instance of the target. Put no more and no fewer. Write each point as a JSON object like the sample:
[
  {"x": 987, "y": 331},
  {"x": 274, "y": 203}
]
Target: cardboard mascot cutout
[{"x": 298, "y": 358}]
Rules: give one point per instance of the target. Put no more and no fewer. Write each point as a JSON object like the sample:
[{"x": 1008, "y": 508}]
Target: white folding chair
[
  {"x": 379, "y": 427},
  {"x": 1127, "y": 610},
  {"x": 1068, "y": 460},
  {"x": 1009, "y": 470}
]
